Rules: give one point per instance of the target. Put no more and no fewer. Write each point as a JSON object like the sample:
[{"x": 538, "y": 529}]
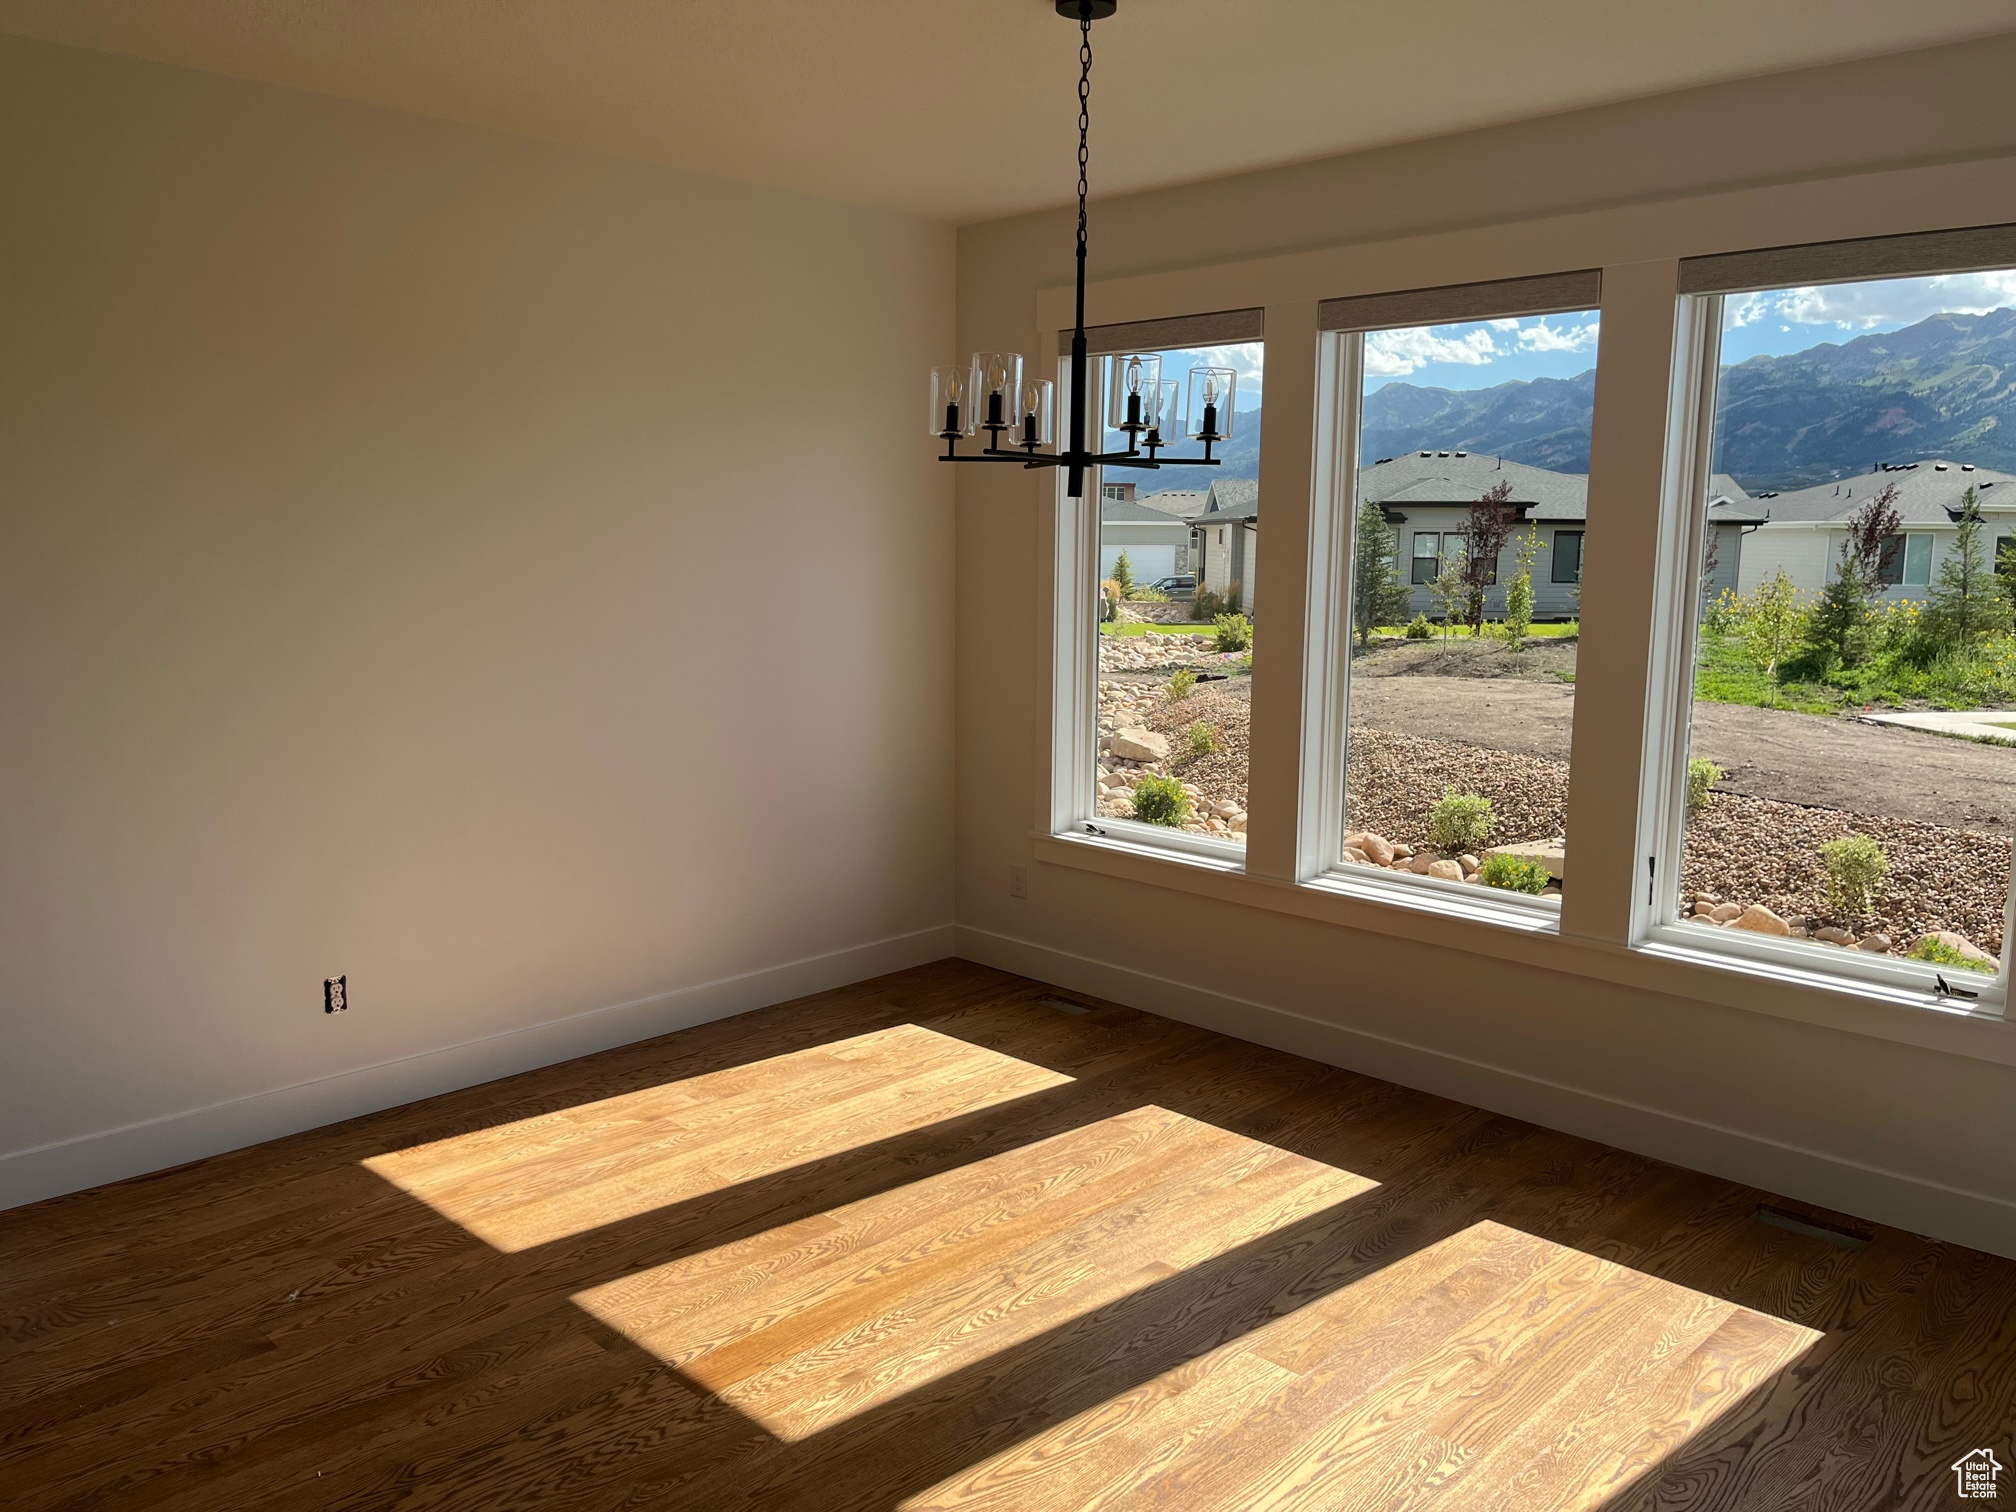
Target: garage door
[{"x": 1148, "y": 562}]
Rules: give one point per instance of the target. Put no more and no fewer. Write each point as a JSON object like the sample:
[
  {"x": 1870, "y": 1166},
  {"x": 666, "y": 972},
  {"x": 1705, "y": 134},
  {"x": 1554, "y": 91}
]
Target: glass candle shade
[
  {"x": 997, "y": 385},
  {"x": 1131, "y": 396},
  {"x": 1210, "y": 403},
  {"x": 1037, "y": 417},
  {"x": 951, "y": 414}
]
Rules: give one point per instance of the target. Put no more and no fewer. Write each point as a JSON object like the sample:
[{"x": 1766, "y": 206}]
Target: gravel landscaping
[{"x": 1743, "y": 852}]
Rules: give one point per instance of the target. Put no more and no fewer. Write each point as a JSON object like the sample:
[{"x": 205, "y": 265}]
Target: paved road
[{"x": 1799, "y": 758}]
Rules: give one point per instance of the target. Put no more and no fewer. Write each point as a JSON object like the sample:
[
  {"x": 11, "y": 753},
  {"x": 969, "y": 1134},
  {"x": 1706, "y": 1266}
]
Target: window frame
[
  {"x": 1414, "y": 571},
  {"x": 1656, "y": 925},
  {"x": 1074, "y": 805},
  {"x": 1341, "y": 369},
  {"x": 1652, "y": 250}
]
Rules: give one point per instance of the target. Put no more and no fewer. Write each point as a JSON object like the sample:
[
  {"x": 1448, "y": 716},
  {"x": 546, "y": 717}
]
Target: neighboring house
[
  {"x": 1228, "y": 539},
  {"x": 1805, "y": 529},
  {"x": 1154, "y": 531}
]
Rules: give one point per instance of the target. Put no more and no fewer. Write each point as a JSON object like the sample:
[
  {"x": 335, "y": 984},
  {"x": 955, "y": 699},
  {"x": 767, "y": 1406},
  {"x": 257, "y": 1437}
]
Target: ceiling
[{"x": 965, "y": 109}]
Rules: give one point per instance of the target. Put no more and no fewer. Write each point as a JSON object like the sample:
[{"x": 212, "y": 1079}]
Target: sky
[
  {"x": 1778, "y": 321},
  {"x": 1481, "y": 353}
]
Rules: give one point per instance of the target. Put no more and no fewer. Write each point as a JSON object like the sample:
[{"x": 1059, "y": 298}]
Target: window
[
  {"x": 1176, "y": 628},
  {"x": 1821, "y": 811},
  {"x": 1427, "y": 556},
  {"x": 1472, "y": 439},
  {"x": 1565, "y": 562}
]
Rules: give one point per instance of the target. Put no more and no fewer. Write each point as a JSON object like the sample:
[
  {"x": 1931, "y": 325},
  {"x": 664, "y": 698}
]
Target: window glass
[
  {"x": 1850, "y": 774},
  {"x": 1179, "y": 593},
  {"x": 1475, "y": 449}
]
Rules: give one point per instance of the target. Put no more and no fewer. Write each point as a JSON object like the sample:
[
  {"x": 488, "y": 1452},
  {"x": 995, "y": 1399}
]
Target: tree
[
  {"x": 1484, "y": 535},
  {"x": 1123, "y": 574},
  {"x": 1965, "y": 605},
  {"x": 1838, "y": 627},
  {"x": 1773, "y": 624},
  {"x": 1519, "y": 592},
  {"x": 1378, "y": 597},
  {"x": 1450, "y": 588}
]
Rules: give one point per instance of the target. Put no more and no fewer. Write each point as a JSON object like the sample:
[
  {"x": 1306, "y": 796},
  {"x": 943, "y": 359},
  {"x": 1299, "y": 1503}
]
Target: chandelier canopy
[{"x": 991, "y": 392}]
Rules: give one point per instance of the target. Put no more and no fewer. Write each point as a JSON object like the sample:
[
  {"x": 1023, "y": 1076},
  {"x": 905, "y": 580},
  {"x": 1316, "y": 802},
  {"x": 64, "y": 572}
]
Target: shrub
[
  {"x": 1856, "y": 867},
  {"x": 1418, "y": 628},
  {"x": 1181, "y": 684},
  {"x": 1234, "y": 631},
  {"x": 1149, "y": 596},
  {"x": 1109, "y": 600},
  {"x": 1520, "y": 874},
  {"x": 1702, "y": 774},
  {"x": 1161, "y": 800},
  {"x": 1123, "y": 574},
  {"x": 1519, "y": 592},
  {"x": 1201, "y": 739},
  {"x": 1936, "y": 952},
  {"x": 1459, "y": 821},
  {"x": 1211, "y": 604}
]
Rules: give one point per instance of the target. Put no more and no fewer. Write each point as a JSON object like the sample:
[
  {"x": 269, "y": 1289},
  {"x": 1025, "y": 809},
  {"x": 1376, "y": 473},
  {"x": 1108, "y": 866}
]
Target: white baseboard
[
  {"x": 133, "y": 1150},
  {"x": 1977, "y": 1219}
]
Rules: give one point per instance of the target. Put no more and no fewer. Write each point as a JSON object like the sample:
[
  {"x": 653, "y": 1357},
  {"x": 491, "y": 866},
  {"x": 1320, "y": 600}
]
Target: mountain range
[{"x": 1945, "y": 387}]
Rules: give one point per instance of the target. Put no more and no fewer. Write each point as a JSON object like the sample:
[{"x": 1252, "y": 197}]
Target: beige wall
[
  {"x": 1895, "y": 1131},
  {"x": 393, "y": 520}
]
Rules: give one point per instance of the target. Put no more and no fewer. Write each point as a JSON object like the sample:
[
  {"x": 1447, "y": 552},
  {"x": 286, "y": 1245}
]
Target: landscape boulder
[
  {"x": 1876, "y": 943},
  {"x": 1377, "y": 848},
  {"x": 1448, "y": 871},
  {"x": 1760, "y": 920},
  {"x": 1138, "y": 743}
]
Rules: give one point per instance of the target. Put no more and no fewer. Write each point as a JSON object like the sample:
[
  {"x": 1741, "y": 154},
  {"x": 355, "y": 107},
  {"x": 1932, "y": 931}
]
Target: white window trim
[
  {"x": 1879, "y": 202},
  {"x": 1683, "y": 505}
]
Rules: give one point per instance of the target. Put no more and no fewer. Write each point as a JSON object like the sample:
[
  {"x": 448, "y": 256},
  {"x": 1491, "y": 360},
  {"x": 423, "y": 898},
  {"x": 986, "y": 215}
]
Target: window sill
[{"x": 1531, "y": 936}]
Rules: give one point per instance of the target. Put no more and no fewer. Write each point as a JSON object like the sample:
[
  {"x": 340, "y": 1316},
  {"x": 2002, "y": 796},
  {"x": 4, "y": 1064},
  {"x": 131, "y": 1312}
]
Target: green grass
[
  {"x": 1723, "y": 674},
  {"x": 1192, "y": 627},
  {"x": 1492, "y": 631}
]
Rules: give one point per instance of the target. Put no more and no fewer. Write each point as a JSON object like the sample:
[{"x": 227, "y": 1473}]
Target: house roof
[
  {"x": 1183, "y": 503},
  {"x": 1928, "y": 493},
  {"x": 1134, "y": 512},
  {"x": 1233, "y": 499}
]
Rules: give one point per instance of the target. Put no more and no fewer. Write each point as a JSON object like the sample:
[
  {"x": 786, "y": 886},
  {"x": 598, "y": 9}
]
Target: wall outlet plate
[
  {"x": 1018, "y": 881},
  {"x": 335, "y": 994}
]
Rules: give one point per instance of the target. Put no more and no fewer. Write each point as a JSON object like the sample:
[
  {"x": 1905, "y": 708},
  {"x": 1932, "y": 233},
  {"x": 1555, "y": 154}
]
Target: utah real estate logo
[{"x": 1974, "y": 1475}]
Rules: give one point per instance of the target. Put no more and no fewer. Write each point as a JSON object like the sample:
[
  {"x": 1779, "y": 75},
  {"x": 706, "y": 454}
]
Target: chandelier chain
[{"x": 1084, "y": 118}]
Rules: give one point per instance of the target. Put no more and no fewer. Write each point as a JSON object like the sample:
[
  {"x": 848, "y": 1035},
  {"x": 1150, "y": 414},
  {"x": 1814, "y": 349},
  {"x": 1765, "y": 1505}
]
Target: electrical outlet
[
  {"x": 1018, "y": 881},
  {"x": 335, "y": 994}
]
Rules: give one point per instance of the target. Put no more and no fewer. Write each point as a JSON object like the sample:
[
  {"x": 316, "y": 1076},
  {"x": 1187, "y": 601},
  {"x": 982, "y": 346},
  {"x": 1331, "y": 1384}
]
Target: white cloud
[
  {"x": 1503, "y": 325},
  {"x": 1246, "y": 359},
  {"x": 1542, "y": 337},
  {"x": 1395, "y": 354},
  {"x": 1890, "y": 301}
]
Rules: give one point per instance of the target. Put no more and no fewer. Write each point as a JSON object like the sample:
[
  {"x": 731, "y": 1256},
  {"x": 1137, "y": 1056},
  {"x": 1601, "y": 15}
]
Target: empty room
[{"x": 759, "y": 754}]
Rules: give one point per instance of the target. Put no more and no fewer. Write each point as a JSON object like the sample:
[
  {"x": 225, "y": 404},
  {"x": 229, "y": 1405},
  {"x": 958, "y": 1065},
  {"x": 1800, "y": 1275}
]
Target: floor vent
[
  {"x": 1815, "y": 1228},
  {"x": 1062, "y": 1005}
]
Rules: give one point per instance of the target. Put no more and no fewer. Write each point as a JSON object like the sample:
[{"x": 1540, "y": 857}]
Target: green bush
[
  {"x": 1181, "y": 684},
  {"x": 1201, "y": 739},
  {"x": 1460, "y": 821},
  {"x": 1234, "y": 632},
  {"x": 1109, "y": 601},
  {"x": 1935, "y": 952},
  {"x": 1514, "y": 873},
  {"x": 1210, "y": 604},
  {"x": 1702, "y": 774},
  {"x": 1148, "y": 596},
  {"x": 1161, "y": 800},
  {"x": 1856, "y": 867},
  {"x": 1123, "y": 574},
  {"x": 1418, "y": 628}
]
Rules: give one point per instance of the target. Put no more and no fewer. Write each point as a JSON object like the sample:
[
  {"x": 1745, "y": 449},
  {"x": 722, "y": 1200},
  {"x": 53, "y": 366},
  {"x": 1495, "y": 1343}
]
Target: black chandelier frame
[{"x": 1144, "y": 438}]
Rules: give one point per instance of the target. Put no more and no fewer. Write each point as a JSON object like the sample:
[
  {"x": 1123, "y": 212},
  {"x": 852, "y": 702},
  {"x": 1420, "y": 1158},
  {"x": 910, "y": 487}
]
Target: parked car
[{"x": 1182, "y": 582}]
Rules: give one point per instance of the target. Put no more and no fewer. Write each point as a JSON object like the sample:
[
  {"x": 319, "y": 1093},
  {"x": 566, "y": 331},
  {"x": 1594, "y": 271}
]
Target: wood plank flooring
[{"x": 927, "y": 1243}]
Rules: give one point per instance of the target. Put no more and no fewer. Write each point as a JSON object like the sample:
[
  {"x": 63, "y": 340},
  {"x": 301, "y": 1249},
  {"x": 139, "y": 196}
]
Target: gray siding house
[{"x": 1804, "y": 529}]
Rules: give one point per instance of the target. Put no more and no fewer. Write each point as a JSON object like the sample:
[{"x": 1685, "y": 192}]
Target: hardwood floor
[{"x": 927, "y": 1242}]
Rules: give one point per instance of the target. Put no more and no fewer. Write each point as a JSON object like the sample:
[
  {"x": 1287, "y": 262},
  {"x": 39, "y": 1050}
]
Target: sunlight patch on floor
[
  {"x": 1493, "y": 1370},
  {"x": 540, "y": 1179},
  {"x": 819, "y": 1321}
]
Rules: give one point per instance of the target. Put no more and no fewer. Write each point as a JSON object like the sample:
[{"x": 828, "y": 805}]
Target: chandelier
[{"x": 991, "y": 393}]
